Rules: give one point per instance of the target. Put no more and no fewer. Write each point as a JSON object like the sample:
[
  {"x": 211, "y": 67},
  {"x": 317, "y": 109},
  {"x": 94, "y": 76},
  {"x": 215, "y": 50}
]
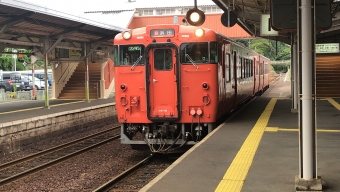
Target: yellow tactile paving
[
  {"x": 272, "y": 129},
  {"x": 334, "y": 103},
  {"x": 276, "y": 129},
  {"x": 29, "y": 109},
  {"x": 236, "y": 174}
]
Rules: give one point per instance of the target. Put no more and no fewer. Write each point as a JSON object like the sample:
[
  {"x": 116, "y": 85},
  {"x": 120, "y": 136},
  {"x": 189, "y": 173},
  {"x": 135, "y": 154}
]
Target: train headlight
[
  {"x": 195, "y": 17},
  {"x": 127, "y": 35},
  {"x": 199, "y": 32}
]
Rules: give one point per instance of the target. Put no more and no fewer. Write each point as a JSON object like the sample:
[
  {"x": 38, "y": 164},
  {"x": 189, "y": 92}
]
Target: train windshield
[
  {"x": 198, "y": 53},
  {"x": 129, "y": 55}
]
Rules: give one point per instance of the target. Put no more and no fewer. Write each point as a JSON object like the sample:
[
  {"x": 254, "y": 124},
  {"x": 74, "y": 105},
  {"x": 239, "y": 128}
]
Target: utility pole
[{"x": 15, "y": 59}]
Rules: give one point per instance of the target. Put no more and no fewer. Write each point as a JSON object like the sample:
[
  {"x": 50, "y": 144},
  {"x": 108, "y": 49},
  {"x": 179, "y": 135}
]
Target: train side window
[
  {"x": 115, "y": 55},
  {"x": 250, "y": 68},
  {"x": 213, "y": 52},
  {"x": 227, "y": 67}
]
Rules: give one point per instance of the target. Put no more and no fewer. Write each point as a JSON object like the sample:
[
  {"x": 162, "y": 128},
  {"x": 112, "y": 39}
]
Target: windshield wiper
[
  {"x": 193, "y": 63},
  {"x": 135, "y": 63}
]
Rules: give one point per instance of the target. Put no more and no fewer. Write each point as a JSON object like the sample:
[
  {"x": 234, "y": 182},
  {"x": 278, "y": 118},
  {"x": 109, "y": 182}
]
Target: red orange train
[{"x": 173, "y": 82}]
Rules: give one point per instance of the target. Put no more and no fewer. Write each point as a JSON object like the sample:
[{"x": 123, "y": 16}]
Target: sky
[{"x": 78, "y": 7}]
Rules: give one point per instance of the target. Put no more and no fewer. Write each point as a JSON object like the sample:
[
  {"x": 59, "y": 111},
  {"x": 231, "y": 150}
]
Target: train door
[
  {"x": 258, "y": 75},
  {"x": 255, "y": 76},
  {"x": 162, "y": 89}
]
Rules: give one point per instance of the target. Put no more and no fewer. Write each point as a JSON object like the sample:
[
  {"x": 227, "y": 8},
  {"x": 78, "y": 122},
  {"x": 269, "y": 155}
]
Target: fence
[{"x": 23, "y": 95}]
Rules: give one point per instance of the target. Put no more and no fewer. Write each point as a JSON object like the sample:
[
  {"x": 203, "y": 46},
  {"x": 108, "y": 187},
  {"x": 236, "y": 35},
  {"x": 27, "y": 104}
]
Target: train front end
[{"x": 166, "y": 94}]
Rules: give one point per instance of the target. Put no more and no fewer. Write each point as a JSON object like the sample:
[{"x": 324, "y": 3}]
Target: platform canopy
[
  {"x": 24, "y": 25},
  {"x": 249, "y": 16}
]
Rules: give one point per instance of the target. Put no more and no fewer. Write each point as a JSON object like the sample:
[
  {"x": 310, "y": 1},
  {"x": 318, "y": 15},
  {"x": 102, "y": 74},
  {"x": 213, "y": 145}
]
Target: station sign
[
  {"x": 266, "y": 29},
  {"x": 74, "y": 53},
  {"x": 162, "y": 33},
  {"x": 327, "y": 48}
]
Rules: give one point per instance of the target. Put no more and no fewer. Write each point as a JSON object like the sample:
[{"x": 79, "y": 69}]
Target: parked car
[
  {"x": 40, "y": 75},
  {"x": 11, "y": 79},
  {"x": 39, "y": 84},
  {"x": 28, "y": 85}
]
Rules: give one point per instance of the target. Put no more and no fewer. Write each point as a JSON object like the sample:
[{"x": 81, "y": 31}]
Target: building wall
[{"x": 212, "y": 21}]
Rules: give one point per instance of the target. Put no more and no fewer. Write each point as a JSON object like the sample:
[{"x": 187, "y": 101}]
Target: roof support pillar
[
  {"x": 87, "y": 87},
  {"x": 307, "y": 180},
  {"x": 46, "y": 51},
  {"x": 294, "y": 74}
]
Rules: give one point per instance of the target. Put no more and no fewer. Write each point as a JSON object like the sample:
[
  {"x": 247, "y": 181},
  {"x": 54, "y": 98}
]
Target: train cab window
[
  {"x": 127, "y": 55},
  {"x": 194, "y": 52},
  {"x": 163, "y": 59}
]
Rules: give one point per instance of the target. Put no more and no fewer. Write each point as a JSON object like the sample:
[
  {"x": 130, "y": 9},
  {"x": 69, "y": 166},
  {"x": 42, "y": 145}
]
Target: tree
[
  {"x": 7, "y": 61},
  {"x": 267, "y": 47}
]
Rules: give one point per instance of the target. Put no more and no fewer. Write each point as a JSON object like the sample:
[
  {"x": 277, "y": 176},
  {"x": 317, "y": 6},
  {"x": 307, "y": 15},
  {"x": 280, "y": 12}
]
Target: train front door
[{"x": 163, "y": 96}]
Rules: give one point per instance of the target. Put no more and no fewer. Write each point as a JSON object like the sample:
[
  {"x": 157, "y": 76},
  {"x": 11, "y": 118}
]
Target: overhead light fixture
[{"x": 195, "y": 16}]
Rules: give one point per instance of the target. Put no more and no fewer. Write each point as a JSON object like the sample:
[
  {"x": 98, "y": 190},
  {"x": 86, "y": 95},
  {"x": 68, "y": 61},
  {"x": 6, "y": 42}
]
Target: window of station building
[
  {"x": 211, "y": 9},
  {"x": 146, "y": 12},
  {"x": 163, "y": 59},
  {"x": 169, "y": 11},
  {"x": 127, "y": 55},
  {"x": 185, "y": 10},
  {"x": 63, "y": 53},
  {"x": 195, "y": 52}
]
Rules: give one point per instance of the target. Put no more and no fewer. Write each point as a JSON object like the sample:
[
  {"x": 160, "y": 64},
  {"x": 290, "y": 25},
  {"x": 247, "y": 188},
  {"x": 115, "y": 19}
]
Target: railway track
[
  {"x": 20, "y": 168},
  {"x": 137, "y": 176}
]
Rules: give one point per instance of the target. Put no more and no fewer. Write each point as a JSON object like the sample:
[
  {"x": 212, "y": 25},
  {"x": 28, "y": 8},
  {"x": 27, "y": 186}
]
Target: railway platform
[
  {"x": 24, "y": 122},
  {"x": 17, "y": 110},
  {"x": 257, "y": 150}
]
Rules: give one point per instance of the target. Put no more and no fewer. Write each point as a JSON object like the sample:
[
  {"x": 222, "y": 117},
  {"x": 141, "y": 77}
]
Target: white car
[{"x": 39, "y": 84}]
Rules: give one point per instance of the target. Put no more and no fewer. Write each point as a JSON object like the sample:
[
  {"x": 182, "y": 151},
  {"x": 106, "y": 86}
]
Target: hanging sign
[{"x": 327, "y": 48}]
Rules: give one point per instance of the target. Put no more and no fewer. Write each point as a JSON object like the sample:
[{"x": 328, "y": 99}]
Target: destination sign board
[{"x": 162, "y": 33}]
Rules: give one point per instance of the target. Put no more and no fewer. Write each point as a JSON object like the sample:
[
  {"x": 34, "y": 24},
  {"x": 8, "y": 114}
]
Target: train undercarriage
[{"x": 164, "y": 137}]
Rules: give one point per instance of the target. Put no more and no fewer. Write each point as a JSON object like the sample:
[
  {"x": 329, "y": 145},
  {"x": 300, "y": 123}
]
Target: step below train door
[{"x": 163, "y": 84}]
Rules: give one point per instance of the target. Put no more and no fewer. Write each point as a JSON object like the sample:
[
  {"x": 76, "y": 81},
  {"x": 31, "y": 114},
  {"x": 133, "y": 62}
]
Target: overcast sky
[{"x": 78, "y": 7}]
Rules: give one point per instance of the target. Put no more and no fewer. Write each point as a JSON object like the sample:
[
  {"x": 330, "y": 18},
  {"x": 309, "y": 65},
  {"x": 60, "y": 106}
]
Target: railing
[
  {"x": 280, "y": 62},
  {"x": 67, "y": 73},
  {"x": 24, "y": 95},
  {"x": 108, "y": 73}
]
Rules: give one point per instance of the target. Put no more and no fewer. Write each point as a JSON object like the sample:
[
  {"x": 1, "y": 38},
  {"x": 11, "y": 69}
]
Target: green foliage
[
  {"x": 7, "y": 61},
  {"x": 268, "y": 48},
  {"x": 280, "y": 68}
]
